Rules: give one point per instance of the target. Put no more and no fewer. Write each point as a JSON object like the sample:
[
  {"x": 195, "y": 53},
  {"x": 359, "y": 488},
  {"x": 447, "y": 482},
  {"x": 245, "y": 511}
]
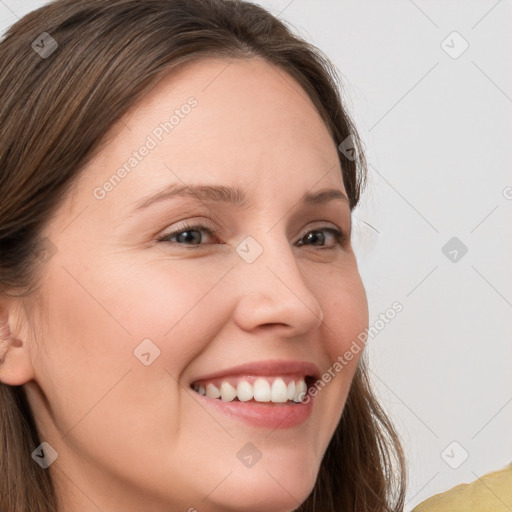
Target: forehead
[{"x": 216, "y": 120}]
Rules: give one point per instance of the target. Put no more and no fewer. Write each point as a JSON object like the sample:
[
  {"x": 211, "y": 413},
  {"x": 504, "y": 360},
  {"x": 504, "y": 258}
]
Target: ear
[{"x": 15, "y": 358}]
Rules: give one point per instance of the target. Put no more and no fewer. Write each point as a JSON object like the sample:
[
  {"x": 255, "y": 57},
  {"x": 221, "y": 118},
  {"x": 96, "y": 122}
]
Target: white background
[{"x": 438, "y": 132}]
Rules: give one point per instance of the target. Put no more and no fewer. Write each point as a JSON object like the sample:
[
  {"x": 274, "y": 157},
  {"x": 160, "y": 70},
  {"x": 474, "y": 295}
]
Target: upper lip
[{"x": 266, "y": 368}]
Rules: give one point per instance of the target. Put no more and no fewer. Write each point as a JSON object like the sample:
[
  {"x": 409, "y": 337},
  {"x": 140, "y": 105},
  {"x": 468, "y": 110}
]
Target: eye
[
  {"x": 190, "y": 235},
  {"x": 187, "y": 235},
  {"x": 317, "y": 235}
]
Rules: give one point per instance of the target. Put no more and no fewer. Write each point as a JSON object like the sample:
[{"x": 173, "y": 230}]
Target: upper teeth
[{"x": 261, "y": 390}]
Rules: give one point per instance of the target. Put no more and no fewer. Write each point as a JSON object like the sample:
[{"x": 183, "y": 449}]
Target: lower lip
[{"x": 263, "y": 414}]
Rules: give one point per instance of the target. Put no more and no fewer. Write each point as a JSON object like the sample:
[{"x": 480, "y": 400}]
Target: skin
[{"x": 133, "y": 437}]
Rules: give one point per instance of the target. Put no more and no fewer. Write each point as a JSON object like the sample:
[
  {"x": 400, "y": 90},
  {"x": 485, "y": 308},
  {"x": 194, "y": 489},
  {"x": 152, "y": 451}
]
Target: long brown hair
[{"x": 69, "y": 71}]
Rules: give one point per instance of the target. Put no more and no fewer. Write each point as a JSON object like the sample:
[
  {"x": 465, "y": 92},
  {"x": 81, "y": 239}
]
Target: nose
[{"x": 273, "y": 291}]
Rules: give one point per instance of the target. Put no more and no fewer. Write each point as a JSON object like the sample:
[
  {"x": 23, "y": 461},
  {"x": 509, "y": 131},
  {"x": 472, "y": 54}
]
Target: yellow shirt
[{"x": 490, "y": 493}]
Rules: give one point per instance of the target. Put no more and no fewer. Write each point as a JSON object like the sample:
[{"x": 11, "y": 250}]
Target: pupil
[
  {"x": 313, "y": 235},
  {"x": 189, "y": 238}
]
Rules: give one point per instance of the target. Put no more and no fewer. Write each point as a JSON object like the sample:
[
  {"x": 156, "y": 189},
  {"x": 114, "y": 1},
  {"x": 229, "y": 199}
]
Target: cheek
[
  {"x": 170, "y": 301},
  {"x": 345, "y": 309},
  {"x": 345, "y": 318},
  {"x": 96, "y": 318},
  {"x": 95, "y": 322}
]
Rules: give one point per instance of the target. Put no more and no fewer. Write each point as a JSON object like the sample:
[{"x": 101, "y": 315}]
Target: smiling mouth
[{"x": 284, "y": 390}]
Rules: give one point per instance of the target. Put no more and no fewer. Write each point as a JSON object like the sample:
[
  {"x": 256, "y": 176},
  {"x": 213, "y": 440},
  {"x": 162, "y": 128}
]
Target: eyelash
[{"x": 338, "y": 235}]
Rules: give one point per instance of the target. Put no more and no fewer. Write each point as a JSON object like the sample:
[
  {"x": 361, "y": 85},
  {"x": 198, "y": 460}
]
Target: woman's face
[{"x": 137, "y": 310}]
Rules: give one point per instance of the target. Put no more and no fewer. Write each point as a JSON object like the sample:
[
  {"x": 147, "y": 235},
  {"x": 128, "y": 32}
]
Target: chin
[
  {"x": 273, "y": 488},
  {"x": 266, "y": 498}
]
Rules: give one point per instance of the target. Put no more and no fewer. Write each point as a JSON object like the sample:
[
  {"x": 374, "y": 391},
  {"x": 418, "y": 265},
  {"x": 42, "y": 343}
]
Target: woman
[{"x": 182, "y": 315}]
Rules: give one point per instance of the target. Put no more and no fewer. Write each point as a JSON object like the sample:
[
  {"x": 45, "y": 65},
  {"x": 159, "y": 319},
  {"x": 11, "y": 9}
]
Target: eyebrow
[{"x": 231, "y": 195}]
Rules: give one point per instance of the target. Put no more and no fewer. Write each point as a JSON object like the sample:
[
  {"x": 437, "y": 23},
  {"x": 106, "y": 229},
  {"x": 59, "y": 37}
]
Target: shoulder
[{"x": 491, "y": 492}]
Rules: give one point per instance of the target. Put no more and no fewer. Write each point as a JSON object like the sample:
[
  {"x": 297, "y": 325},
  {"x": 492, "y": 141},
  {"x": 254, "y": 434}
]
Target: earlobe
[{"x": 15, "y": 359}]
